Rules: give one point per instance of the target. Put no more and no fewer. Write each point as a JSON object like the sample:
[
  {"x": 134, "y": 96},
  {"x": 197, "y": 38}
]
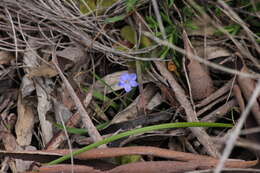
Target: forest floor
[{"x": 109, "y": 86}]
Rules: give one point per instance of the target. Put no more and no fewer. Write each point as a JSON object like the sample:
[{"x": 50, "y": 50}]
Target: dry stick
[
  {"x": 215, "y": 95},
  {"x": 159, "y": 18},
  {"x": 202, "y": 136},
  {"x": 239, "y": 97},
  {"x": 219, "y": 112},
  {"x": 60, "y": 137},
  {"x": 246, "y": 170},
  {"x": 69, "y": 143},
  {"x": 242, "y": 50},
  {"x": 211, "y": 105},
  {"x": 234, "y": 135},
  {"x": 237, "y": 19},
  {"x": 92, "y": 131},
  {"x": 199, "y": 59}
]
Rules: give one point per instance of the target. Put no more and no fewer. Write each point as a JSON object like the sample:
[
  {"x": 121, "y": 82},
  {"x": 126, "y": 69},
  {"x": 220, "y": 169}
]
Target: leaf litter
[{"x": 61, "y": 63}]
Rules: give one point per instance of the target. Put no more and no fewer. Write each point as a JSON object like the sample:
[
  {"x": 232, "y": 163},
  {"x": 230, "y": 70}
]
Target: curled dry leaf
[{"x": 200, "y": 81}]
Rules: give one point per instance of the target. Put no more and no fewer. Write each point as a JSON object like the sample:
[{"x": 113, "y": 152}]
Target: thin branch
[
  {"x": 234, "y": 135},
  {"x": 92, "y": 131},
  {"x": 202, "y": 136},
  {"x": 201, "y": 60}
]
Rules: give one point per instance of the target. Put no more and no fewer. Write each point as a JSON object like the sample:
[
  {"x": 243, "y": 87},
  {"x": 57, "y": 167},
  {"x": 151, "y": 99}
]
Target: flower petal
[
  {"x": 133, "y": 83},
  {"x": 132, "y": 76},
  {"x": 127, "y": 88},
  {"x": 124, "y": 77},
  {"x": 121, "y": 84}
]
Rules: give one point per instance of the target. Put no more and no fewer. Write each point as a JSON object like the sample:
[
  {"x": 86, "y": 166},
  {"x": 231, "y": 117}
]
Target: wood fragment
[
  {"x": 93, "y": 133},
  {"x": 202, "y": 136}
]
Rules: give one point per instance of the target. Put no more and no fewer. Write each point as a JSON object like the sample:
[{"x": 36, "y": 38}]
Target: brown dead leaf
[
  {"x": 211, "y": 52},
  {"x": 73, "y": 54},
  {"x": 10, "y": 144},
  {"x": 9, "y": 141},
  {"x": 200, "y": 81},
  {"x": 5, "y": 57},
  {"x": 42, "y": 86},
  {"x": 44, "y": 70},
  {"x": 25, "y": 123}
]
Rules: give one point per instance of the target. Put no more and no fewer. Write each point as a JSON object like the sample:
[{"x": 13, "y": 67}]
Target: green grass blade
[{"x": 139, "y": 131}]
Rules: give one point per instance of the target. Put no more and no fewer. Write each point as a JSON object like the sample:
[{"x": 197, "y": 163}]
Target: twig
[
  {"x": 92, "y": 131},
  {"x": 159, "y": 19},
  {"x": 202, "y": 136},
  {"x": 201, "y": 60},
  {"x": 214, "y": 96},
  {"x": 68, "y": 139},
  {"x": 234, "y": 135}
]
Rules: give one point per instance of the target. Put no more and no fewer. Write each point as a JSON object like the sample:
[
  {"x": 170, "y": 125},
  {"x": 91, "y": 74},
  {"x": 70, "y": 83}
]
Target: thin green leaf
[
  {"x": 130, "y": 4},
  {"x": 139, "y": 131},
  {"x": 114, "y": 19}
]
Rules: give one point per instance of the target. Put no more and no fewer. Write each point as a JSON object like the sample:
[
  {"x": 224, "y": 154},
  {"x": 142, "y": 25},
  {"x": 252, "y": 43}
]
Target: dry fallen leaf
[
  {"x": 43, "y": 70},
  {"x": 200, "y": 81},
  {"x": 211, "y": 52},
  {"x": 73, "y": 54},
  {"x": 25, "y": 123},
  {"x": 43, "y": 89}
]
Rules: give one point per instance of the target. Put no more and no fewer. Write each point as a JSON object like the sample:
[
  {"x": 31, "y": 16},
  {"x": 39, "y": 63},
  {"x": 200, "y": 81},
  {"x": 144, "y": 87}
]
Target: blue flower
[{"x": 127, "y": 81}]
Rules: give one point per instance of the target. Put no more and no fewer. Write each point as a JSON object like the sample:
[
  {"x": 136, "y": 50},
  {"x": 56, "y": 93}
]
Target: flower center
[{"x": 127, "y": 81}]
